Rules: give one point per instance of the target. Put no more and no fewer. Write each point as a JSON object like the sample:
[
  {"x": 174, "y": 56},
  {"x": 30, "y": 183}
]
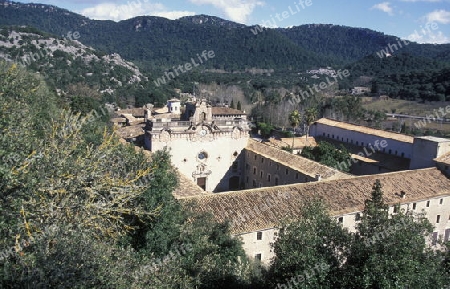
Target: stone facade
[
  {"x": 426, "y": 149},
  {"x": 206, "y": 150}
]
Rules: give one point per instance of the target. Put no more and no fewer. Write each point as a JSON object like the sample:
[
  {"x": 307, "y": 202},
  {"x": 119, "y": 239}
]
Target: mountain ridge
[{"x": 158, "y": 43}]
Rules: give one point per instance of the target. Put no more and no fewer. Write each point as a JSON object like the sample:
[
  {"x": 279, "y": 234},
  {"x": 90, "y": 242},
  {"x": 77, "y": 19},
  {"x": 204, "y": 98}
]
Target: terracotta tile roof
[
  {"x": 301, "y": 164},
  {"x": 444, "y": 159},
  {"x": 225, "y": 111},
  {"x": 263, "y": 208},
  {"x": 367, "y": 130},
  {"x": 136, "y": 112},
  {"x": 299, "y": 142},
  {"x": 130, "y": 131}
]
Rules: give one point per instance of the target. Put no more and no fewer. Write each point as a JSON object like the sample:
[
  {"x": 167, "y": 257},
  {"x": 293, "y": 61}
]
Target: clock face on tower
[{"x": 203, "y": 132}]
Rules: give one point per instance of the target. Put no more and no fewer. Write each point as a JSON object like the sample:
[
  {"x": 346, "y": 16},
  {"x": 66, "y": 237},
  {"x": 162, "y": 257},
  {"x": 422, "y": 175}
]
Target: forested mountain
[
  {"x": 405, "y": 76},
  {"x": 348, "y": 44},
  {"x": 159, "y": 43}
]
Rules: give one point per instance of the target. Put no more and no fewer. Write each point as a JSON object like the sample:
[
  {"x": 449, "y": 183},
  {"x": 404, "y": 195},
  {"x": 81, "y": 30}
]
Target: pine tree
[
  {"x": 232, "y": 103},
  {"x": 239, "y": 107}
]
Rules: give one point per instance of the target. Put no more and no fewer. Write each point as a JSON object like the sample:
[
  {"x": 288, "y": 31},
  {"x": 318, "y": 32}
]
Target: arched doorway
[{"x": 233, "y": 183}]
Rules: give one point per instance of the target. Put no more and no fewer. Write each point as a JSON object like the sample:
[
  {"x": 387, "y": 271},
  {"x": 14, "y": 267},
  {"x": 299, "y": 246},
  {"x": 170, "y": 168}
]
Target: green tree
[
  {"x": 391, "y": 252},
  {"x": 111, "y": 207},
  {"x": 310, "y": 118},
  {"x": 239, "y": 106},
  {"x": 327, "y": 154},
  {"x": 386, "y": 251},
  {"x": 294, "y": 120},
  {"x": 232, "y": 103},
  {"x": 265, "y": 128},
  {"x": 308, "y": 250}
]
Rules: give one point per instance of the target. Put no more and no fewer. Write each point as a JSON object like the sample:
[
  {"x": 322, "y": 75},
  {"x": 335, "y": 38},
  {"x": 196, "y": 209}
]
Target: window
[
  {"x": 258, "y": 257},
  {"x": 438, "y": 219},
  {"x": 287, "y": 172},
  {"x": 341, "y": 220},
  {"x": 434, "y": 238},
  {"x": 247, "y": 167},
  {"x": 396, "y": 207},
  {"x": 255, "y": 157},
  {"x": 234, "y": 168},
  {"x": 261, "y": 174},
  {"x": 276, "y": 181},
  {"x": 235, "y": 153},
  {"x": 296, "y": 176},
  {"x": 268, "y": 178},
  {"x": 254, "y": 170},
  {"x": 428, "y": 204},
  {"x": 441, "y": 201},
  {"x": 254, "y": 184},
  {"x": 247, "y": 180},
  {"x": 390, "y": 151},
  {"x": 262, "y": 160},
  {"x": 414, "y": 206},
  {"x": 323, "y": 134},
  {"x": 202, "y": 155},
  {"x": 278, "y": 167},
  {"x": 447, "y": 235},
  {"x": 258, "y": 235},
  {"x": 395, "y": 152},
  {"x": 358, "y": 217},
  {"x": 362, "y": 144},
  {"x": 403, "y": 155},
  {"x": 357, "y": 143},
  {"x": 446, "y": 168}
]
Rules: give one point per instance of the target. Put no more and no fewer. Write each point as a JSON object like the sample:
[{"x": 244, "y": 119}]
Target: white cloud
[
  {"x": 173, "y": 14},
  {"x": 385, "y": 7},
  {"x": 429, "y": 37},
  {"x": 440, "y": 16},
  {"x": 117, "y": 12},
  {"x": 236, "y": 10}
]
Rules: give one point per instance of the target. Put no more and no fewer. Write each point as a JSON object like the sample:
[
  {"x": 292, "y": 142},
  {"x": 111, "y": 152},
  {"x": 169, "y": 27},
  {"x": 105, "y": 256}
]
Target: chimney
[
  {"x": 318, "y": 177},
  {"x": 402, "y": 194}
]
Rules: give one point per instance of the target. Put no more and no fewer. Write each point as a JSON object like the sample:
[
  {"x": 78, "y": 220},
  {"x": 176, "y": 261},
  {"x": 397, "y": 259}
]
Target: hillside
[
  {"x": 64, "y": 62},
  {"x": 348, "y": 44},
  {"x": 158, "y": 43},
  {"x": 255, "y": 58}
]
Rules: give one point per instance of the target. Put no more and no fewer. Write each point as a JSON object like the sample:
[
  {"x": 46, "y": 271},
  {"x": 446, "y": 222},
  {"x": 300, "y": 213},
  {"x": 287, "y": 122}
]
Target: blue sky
[{"x": 423, "y": 21}]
